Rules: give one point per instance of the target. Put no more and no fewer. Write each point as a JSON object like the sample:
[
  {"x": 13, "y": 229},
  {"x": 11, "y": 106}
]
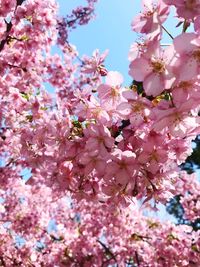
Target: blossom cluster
[
  {"x": 85, "y": 233},
  {"x": 103, "y": 145},
  {"x": 97, "y": 138}
]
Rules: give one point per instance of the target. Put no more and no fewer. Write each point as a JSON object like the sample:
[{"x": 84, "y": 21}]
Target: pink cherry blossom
[
  {"x": 99, "y": 138},
  {"x": 178, "y": 121},
  {"x": 151, "y": 18},
  {"x": 84, "y": 163},
  {"x": 153, "y": 69},
  {"x": 110, "y": 92},
  {"x": 187, "y": 46},
  {"x": 137, "y": 109},
  {"x": 122, "y": 167},
  {"x": 187, "y": 9},
  {"x": 95, "y": 64}
]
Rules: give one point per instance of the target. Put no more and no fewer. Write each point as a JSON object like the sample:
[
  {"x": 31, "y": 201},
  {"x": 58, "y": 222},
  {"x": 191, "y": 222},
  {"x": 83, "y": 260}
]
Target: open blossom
[
  {"x": 154, "y": 70},
  {"x": 185, "y": 90},
  {"x": 98, "y": 138},
  {"x": 153, "y": 157},
  {"x": 95, "y": 63},
  {"x": 187, "y": 9},
  {"x": 91, "y": 109},
  {"x": 122, "y": 167},
  {"x": 151, "y": 18},
  {"x": 187, "y": 63},
  {"x": 140, "y": 47},
  {"x": 180, "y": 150},
  {"x": 92, "y": 160},
  {"x": 137, "y": 109},
  {"x": 178, "y": 121},
  {"x": 110, "y": 93}
]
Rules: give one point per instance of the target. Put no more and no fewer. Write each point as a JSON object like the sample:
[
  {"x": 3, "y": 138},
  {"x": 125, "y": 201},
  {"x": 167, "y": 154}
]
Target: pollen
[
  {"x": 191, "y": 4},
  {"x": 114, "y": 92},
  {"x": 137, "y": 107},
  {"x": 185, "y": 85},
  {"x": 196, "y": 55},
  {"x": 148, "y": 14},
  {"x": 154, "y": 156},
  {"x": 122, "y": 165},
  {"x": 158, "y": 66}
]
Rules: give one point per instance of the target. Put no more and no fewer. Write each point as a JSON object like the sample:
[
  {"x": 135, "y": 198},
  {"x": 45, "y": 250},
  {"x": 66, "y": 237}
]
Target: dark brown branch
[
  {"x": 20, "y": 2},
  {"x": 137, "y": 259},
  {"x": 108, "y": 252},
  {"x": 2, "y": 261},
  {"x": 8, "y": 28}
]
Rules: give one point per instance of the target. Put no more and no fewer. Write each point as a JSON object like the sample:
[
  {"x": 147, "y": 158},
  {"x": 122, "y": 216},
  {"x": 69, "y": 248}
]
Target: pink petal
[
  {"x": 154, "y": 84},
  {"x": 139, "y": 69},
  {"x": 182, "y": 43},
  {"x": 114, "y": 78}
]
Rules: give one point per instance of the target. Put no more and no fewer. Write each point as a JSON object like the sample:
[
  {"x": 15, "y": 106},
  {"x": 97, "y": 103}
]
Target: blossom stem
[
  {"x": 167, "y": 32},
  {"x": 171, "y": 99},
  {"x": 185, "y": 26}
]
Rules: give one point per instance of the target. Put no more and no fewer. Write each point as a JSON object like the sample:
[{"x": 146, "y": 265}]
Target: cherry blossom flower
[
  {"x": 154, "y": 70},
  {"x": 151, "y": 18}
]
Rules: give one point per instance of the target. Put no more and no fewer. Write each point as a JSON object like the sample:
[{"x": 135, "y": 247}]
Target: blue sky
[{"x": 110, "y": 30}]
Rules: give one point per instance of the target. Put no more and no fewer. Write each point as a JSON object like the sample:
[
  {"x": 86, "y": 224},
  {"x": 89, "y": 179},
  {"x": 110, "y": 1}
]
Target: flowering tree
[{"x": 98, "y": 153}]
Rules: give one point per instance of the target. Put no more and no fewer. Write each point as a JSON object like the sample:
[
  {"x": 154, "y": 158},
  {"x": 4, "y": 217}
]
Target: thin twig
[
  {"x": 185, "y": 26},
  {"x": 107, "y": 250},
  {"x": 167, "y": 32}
]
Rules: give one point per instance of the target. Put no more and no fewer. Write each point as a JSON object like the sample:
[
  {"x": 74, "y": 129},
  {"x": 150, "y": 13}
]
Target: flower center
[
  {"x": 148, "y": 14},
  {"x": 122, "y": 165},
  {"x": 153, "y": 156},
  {"x": 185, "y": 85},
  {"x": 190, "y": 4},
  {"x": 196, "y": 55},
  {"x": 137, "y": 107},
  {"x": 158, "y": 66},
  {"x": 114, "y": 92}
]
